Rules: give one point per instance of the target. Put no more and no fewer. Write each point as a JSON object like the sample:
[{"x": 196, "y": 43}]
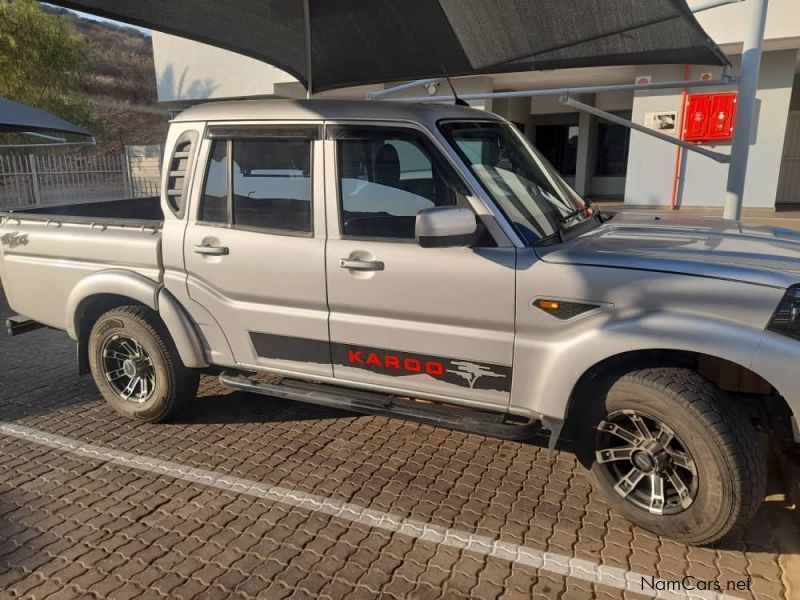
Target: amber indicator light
[{"x": 548, "y": 304}]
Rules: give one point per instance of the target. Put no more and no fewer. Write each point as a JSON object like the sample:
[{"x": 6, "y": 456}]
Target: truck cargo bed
[{"x": 137, "y": 211}]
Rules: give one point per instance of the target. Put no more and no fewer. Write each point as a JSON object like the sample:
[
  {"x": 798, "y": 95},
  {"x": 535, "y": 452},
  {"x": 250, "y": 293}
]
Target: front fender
[
  {"x": 547, "y": 370},
  {"x": 118, "y": 282},
  {"x": 775, "y": 360}
]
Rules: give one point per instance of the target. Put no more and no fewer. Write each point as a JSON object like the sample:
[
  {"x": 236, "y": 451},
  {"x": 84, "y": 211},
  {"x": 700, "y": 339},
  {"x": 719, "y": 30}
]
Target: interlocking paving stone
[{"x": 75, "y": 527}]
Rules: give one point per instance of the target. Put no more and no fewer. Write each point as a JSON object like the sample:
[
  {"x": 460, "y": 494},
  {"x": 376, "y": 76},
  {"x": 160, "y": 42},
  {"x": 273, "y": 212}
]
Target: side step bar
[
  {"x": 17, "y": 325},
  {"x": 450, "y": 417}
]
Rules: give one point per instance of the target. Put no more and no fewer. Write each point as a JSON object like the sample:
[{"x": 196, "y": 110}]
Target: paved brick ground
[{"x": 72, "y": 526}]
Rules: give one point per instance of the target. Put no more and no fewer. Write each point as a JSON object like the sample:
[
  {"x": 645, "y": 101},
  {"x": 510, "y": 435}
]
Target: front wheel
[
  {"x": 673, "y": 456},
  {"x": 136, "y": 365}
]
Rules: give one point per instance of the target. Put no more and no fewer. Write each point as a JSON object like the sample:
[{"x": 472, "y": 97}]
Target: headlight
[{"x": 786, "y": 319}]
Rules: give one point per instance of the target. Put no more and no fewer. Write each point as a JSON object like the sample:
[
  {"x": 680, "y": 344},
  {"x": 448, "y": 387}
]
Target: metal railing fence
[{"x": 61, "y": 178}]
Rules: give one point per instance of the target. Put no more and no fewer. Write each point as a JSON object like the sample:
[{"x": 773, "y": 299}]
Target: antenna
[{"x": 458, "y": 101}]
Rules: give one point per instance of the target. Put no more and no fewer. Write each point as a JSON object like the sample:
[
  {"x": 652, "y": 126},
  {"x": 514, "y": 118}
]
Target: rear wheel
[
  {"x": 136, "y": 366},
  {"x": 674, "y": 456}
]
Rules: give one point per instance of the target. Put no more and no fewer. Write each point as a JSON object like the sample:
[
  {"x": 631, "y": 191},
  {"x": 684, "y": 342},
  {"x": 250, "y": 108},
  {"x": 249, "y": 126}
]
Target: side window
[
  {"x": 272, "y": 184},
  {"x": 386, "y": 177},
  {"x": 262, "y": 183},
  {"x": 214, "y": 202}
]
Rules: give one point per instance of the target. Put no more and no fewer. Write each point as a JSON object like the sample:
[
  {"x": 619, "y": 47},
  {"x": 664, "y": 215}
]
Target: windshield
[{"x": 523, "y": 185}]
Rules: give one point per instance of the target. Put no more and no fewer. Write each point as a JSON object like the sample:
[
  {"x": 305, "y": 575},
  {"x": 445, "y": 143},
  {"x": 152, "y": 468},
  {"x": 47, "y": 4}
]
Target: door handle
[
  {"x": 355, "y": 264},
  {"x": 211, "y": 250}
]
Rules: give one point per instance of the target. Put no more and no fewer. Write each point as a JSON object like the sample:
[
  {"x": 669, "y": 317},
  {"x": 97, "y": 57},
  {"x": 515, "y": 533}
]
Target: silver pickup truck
[{"x": 423, "y": 262}]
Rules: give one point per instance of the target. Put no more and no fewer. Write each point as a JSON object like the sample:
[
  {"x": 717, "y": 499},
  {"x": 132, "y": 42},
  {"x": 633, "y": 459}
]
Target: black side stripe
[
  {"x": 283, "y": 347},
  {"x": 394, "y": 363}
]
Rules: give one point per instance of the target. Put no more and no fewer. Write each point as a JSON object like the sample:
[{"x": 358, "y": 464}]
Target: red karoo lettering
[
  {"x": 392, "y": 361},
  {"x": 412, "y": 364},
  {"x": 434, "y": 368}
]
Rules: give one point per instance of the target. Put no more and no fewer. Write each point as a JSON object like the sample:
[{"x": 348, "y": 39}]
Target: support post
[
  {"x": 127, "y": 180},
  {"x": 37, "y": 196},
  {"x": 307, "y": 30},
  {"x": 587, "y": 133},
  {"x": 745, "y": 108}
]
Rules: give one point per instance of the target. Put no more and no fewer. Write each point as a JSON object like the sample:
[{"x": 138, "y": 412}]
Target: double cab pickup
[{"x": 424, "y": 262}]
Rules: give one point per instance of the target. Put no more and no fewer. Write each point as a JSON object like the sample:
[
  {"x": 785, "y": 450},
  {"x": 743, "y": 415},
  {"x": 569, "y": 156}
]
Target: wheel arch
[
  {"x": 727, "y": 375},
  {"x": 105, "y": 290}
]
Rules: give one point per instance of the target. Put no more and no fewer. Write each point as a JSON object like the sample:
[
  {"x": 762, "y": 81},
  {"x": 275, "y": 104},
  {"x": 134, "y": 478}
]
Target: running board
[
  {"x": 448, "y": 416},
  {"x": 17, "y": 325}
]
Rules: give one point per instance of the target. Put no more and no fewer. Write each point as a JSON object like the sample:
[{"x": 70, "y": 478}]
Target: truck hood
[{"x": 704, "y": 247}]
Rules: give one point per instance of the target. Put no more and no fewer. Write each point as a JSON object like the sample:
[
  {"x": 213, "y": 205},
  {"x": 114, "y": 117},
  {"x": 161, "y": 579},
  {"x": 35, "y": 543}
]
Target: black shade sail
[
  {"x": 352, "y": 42},
  {"x": 16, "y": 117}
]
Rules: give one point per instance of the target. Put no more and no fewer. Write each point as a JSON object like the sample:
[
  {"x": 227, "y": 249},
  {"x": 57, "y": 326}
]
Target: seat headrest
[{"x": 387, "y": 166}]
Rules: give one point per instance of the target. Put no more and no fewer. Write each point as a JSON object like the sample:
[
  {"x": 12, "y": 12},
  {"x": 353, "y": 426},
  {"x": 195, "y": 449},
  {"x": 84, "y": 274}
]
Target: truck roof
[{"x": 250, "y": 110}]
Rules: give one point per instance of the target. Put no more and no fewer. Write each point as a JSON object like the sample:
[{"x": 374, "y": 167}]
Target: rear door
[
  {"x": 438, "y": 322},
  {"x": 255, "y": 245}
]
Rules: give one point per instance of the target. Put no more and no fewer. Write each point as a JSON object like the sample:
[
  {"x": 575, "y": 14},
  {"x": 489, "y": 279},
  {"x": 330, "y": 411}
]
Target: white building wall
[
  {"x": 188, "y": 70},
  {"x": 651, "y": 161}
]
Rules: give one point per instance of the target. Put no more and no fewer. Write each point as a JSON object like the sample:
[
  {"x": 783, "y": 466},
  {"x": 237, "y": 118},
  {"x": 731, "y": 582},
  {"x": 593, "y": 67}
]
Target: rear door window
[
  {"x": 272, "y": 184},
  {"x": 262, "y": 183}
]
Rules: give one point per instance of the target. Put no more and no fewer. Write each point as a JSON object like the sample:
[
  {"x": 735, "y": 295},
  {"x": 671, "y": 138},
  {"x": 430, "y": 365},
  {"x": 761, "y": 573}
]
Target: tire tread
[{"x": 735, "y": 435}]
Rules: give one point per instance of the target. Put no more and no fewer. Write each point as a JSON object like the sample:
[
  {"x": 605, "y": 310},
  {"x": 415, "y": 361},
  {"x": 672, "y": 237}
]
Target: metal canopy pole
[
  {"x": 403, "y": 86},
  {"x": 745, "y": 108},
  {"x": 601, "y": 114},
  {"x": 573, "y": 91}
]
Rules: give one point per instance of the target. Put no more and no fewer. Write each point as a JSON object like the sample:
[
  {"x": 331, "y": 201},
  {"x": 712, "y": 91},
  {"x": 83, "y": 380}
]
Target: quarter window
[{"x": 386, "y": 177}]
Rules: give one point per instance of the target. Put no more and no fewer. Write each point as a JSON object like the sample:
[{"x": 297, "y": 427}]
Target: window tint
[
  {"x": 387, "y": 176},
  {"x": 270, "y": 181},
  {"x": 214, "y": 203},
  {"x": 272, "y": 184}
]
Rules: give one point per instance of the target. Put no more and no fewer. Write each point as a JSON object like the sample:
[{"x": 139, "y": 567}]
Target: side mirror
[{"x": 446, "y": 227}]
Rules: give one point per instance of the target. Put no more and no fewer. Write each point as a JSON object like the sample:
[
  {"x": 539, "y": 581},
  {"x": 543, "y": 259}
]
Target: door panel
[
  {"x": 439, "y": 322},
  {"x": 266, "y": 285},
  {"x": 256, "y": 262}
]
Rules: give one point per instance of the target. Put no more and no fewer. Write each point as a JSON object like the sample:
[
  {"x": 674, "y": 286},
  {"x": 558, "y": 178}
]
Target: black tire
[
  {"x": 719, "y": 487},
  {"x": 167, "y": 383}
]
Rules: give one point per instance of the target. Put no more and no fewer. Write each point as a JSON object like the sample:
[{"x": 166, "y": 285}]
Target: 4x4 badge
[{"x": 12, "y": 240}]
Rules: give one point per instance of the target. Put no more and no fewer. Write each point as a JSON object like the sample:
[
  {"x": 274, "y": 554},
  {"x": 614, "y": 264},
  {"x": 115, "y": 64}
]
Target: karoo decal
[
  {"x": 463, "y": 373},
  {"x": 397, "y": 364}
]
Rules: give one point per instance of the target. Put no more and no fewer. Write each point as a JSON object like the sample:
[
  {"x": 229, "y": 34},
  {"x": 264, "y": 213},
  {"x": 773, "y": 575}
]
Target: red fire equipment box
[{"x": 709, "y": 117}]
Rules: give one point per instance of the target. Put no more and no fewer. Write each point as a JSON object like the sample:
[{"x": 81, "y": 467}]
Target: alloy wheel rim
[
  {"x": 648, "y": 463},
  {"x": 128, "y": 369}
]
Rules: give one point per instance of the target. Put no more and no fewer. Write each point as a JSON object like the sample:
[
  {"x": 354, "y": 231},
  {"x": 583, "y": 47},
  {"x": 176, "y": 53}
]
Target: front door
[
  {"x": 255, "y": 246},
  {"x": 438, "y": 322}
]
